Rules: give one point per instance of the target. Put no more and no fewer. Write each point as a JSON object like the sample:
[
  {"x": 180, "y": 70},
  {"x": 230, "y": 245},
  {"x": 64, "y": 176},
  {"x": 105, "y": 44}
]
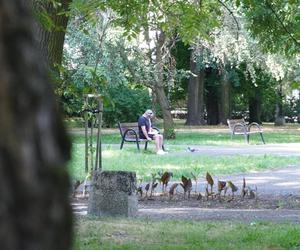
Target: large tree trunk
[
  {"x": 224, "y": 107},
  {"x": 51, "y": 39},
  {"x": 35, "y": 210},
  {"x": 254, "y": 110},
  {"x": 212, "y": 106},
  {"x": 255, "y": 107},
  {"x": 195, "y": 107}
]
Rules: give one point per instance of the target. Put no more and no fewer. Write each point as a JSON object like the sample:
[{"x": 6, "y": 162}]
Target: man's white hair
[{"x": 148, "y": 111}]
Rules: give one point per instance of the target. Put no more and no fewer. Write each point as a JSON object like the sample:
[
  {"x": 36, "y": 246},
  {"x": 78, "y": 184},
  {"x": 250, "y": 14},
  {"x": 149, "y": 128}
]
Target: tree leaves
[{"x": 275, "y": 24}]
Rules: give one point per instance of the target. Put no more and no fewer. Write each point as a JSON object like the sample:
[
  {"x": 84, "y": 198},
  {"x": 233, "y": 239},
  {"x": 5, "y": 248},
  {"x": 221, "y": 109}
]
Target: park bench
[
  {"x": 240, "y": 127},
  {"x": 130, "y": 133}
]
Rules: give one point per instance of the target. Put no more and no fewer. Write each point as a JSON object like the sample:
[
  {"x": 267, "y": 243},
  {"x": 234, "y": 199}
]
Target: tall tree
[
  {"x": 34, "y": 184},
  {"x": 195, "y": 105},
  {"x": 151, "y": 73},
  {"x": 167, "y": 19}
]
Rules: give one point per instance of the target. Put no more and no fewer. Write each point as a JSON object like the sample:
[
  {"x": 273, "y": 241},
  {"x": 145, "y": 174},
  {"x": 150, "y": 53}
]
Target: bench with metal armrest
[
  {"x": 130, "y": 133},
  {"x": 240, "y": 127}
]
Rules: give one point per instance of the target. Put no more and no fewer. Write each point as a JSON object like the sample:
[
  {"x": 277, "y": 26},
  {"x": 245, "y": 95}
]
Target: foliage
[
  {"x": 129, "y": 104},
  {"x": 275, "y": 23},
  {"x": 186, "y": 18},
  {"x": 91, "y": 65},
  {"x": 264, "y": 88},
  {"x": 291, "y": 108},
  {"x": 252, "y": 72},
  {"x": 159, "y": 23},
  {"x": 43, "y": 16},
  {"x": 177, "y": 92}
]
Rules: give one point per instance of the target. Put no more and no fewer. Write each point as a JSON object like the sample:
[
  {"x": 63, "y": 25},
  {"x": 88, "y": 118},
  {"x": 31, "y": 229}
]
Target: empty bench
[
  {"x": 130, "y": 133},
  {"x": 240, "y": 127}
]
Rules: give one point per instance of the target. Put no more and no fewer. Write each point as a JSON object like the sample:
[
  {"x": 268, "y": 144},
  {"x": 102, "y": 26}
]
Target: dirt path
[
  {"x": 215, "y": 214},
  {"x": 277, "y": 209}
]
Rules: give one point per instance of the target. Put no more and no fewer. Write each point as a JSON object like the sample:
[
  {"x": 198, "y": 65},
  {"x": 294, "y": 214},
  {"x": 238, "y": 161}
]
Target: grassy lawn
[
  {"x": 210, "y": 135},
  {"x": 194, "y": 137},
  {"x": 94, "y": 233},
  {"x": 146, "y": 162}
]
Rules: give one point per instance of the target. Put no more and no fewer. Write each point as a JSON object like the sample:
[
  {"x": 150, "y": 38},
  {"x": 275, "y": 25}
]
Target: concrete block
[{"x": 113, "y": 194}]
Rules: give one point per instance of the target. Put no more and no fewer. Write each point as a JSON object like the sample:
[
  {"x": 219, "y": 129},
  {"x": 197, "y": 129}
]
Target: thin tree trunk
[
  {"x": 35, "y": 211},
  {"x": 279, "y": 116},
  {"x": 169, "y": 130},
  {"x": 224, "y": 109}
]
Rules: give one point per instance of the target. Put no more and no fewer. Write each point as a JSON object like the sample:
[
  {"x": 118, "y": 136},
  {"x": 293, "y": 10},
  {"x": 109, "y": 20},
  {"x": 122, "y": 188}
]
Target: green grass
[
  {"x": 188, "y": 137},
  {"x": 146, "y": 162},
  {"x": 93, "y": 233}
]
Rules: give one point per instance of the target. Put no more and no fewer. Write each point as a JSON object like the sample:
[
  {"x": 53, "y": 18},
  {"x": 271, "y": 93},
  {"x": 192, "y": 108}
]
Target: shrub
[{"x": 126, "y": 105}]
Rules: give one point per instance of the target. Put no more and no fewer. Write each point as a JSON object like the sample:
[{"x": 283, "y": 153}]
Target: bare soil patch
[{"x": 278, "y": 208}]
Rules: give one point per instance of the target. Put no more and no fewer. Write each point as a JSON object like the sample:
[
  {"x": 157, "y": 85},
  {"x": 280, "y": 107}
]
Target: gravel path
[
  {"x": 284, "y": 149},
  {"x": 213, "y": 214},
  {"x": 281, "y": 183}
]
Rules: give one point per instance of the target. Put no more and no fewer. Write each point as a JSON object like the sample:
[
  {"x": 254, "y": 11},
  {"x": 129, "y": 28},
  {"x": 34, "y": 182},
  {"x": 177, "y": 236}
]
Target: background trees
[{"x": 236, "y": 49}]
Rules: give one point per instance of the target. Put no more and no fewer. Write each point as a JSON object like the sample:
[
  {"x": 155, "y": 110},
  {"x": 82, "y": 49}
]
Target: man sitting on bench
[{"x": 146, "y": 131}]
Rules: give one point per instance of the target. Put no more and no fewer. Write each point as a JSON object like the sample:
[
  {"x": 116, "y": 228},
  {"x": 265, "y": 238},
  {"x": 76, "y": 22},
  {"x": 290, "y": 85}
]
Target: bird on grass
[{"x": 191, "y": 149}]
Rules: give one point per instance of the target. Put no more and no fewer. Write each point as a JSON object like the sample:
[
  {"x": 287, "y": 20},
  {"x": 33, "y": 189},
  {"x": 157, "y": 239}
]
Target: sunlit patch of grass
[
  {"x": 93, "y": 233},
  {"x": 110, "y": 153},
  {"x": 146, "y": 162},
  {"x": 178, "y": 161},
  {"x": 191, "y": 137}
]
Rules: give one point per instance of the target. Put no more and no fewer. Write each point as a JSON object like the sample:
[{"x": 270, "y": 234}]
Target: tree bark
[
  {"x": 279, "y": 116},
  {"x": 51, "y": 39},
  {"x": 158, "y": 87},
  {"x": 169, "y": 129},
  {"x": 224, "y": 109},
  {"x": 34, "y": 208},
  {"x": 212, "y": 106},
  {"x": 255, "y": 107},
  {"x": 195, "y": 107}
]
